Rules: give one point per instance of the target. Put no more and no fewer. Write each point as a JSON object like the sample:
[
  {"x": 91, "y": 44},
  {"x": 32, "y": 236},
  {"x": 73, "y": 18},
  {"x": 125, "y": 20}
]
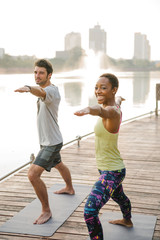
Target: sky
[{"x": 38, "y": 27}]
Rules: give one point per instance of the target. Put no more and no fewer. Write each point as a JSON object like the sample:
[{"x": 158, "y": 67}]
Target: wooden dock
[{"x": 139, "y": 144}]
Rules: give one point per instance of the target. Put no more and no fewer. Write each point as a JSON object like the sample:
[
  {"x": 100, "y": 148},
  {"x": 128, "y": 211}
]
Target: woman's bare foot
[
  {"x": 43, "y": 218},
  {"x": 65, "y": 191},
  {"x": 124, "y": 222}
]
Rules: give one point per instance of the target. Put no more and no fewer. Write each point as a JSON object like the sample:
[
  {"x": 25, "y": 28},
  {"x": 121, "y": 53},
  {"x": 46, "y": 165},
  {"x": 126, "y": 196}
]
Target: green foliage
[
  {"x": 17, "y": 62},
  {"x": 132, "y": 64},
  {"x": 74, "y": 60},
  {"x": 58, "y": 64}
]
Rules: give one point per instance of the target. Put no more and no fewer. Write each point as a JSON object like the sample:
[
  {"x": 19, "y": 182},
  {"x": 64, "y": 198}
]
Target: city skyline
[
  {"x": 38, "y": 28},
  {"x": 98, "y": 44}
]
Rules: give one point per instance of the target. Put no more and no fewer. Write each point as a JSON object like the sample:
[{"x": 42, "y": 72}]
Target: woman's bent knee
[{"x": 90, "y": 213}]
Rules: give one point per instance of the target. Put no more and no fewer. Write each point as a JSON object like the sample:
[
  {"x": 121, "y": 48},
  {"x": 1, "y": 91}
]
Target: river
[{"x": 18, "y": 128}]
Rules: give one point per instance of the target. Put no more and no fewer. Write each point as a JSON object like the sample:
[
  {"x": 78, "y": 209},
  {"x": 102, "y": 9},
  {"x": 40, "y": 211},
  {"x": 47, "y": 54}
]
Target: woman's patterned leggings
[{"x": 108, "y": 185}]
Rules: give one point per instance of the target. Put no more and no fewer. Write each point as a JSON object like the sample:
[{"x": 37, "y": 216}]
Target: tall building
[
  {"x": 72, "y": 40},
  {"x": 142, "y": 47},
  {"x": 97, "y": 39}
]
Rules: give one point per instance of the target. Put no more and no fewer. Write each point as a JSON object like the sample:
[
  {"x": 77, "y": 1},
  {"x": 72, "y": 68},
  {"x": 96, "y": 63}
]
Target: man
[{"x": 50, "y": 137}]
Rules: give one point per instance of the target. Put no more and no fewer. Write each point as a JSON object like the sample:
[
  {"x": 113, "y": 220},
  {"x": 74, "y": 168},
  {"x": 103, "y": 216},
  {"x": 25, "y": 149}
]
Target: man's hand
[
  {"x": 23, "y": 89},
  {"x": 35, "y": 90},
  {"x": 119, "y": 100}
]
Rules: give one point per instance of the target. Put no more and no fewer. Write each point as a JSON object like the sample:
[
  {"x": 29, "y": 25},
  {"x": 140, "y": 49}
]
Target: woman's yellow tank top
[{"x": 107, "y": 154}]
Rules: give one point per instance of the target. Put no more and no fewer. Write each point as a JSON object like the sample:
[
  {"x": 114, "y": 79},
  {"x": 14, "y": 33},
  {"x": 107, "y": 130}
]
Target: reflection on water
[
  {"x": 141, "y": 87},
  {"x": 73, "y": 93},
  {"x": 92, "y": 101},
  {"x": 77, "y": 94}
]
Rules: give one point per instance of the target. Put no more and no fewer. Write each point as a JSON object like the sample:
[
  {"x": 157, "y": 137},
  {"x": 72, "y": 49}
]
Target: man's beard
[{"x": 42, "y": 83}]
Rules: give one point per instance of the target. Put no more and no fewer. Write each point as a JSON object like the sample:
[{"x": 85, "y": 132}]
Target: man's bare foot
[
  {"x": 43, "y": 218},
  {"x": 65, "y": 191},
  {"x": 124, "y": 222}
]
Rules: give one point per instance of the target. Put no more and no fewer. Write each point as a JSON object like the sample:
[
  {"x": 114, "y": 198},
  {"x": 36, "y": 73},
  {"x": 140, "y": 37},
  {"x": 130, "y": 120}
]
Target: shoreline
[
  {"x": 15, "y": 70},
  {"x": 30, "y": 70}
]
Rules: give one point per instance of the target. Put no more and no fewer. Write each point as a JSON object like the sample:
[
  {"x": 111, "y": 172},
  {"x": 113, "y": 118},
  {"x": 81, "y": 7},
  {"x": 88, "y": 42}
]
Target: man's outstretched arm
[{"x": 35, "y": 90}]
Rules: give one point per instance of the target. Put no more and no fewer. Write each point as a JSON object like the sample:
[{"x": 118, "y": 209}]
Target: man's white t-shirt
[{"x": 47, "y": 117}]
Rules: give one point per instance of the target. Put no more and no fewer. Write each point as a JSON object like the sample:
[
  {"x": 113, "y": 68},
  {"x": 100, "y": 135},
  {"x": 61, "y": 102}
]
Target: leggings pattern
[{"x": 108, "y": 185}]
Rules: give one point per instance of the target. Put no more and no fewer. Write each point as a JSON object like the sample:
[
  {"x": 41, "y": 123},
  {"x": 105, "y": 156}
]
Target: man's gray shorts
[{"x": 48, "y": 157}]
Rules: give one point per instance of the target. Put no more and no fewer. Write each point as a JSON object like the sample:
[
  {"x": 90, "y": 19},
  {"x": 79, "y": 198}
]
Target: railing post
[
  {"x": 32, "y": 157},
  {"x": 157, "y": 96},
  {"x": 78, "y": 139}
]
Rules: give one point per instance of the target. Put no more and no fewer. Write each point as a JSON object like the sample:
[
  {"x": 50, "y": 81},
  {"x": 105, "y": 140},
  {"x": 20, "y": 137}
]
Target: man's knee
[
  {"x": 34, "y": 173},
  {"x": 31, "y": 175}
]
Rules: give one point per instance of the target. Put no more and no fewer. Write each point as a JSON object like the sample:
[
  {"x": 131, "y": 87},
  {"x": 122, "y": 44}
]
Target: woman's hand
[{"x": 83, "y": 112}]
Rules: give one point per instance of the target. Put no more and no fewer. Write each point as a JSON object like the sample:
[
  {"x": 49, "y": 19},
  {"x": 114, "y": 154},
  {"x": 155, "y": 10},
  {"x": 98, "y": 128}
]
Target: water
[{"x": 18, "y": 128}]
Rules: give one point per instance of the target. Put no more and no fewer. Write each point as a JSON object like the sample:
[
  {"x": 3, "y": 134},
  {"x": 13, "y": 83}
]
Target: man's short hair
[{"x": 44, "y": 63}]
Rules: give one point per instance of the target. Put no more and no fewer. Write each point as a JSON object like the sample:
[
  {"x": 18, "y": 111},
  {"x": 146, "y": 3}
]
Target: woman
[{"x": 109, "y": 162}]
